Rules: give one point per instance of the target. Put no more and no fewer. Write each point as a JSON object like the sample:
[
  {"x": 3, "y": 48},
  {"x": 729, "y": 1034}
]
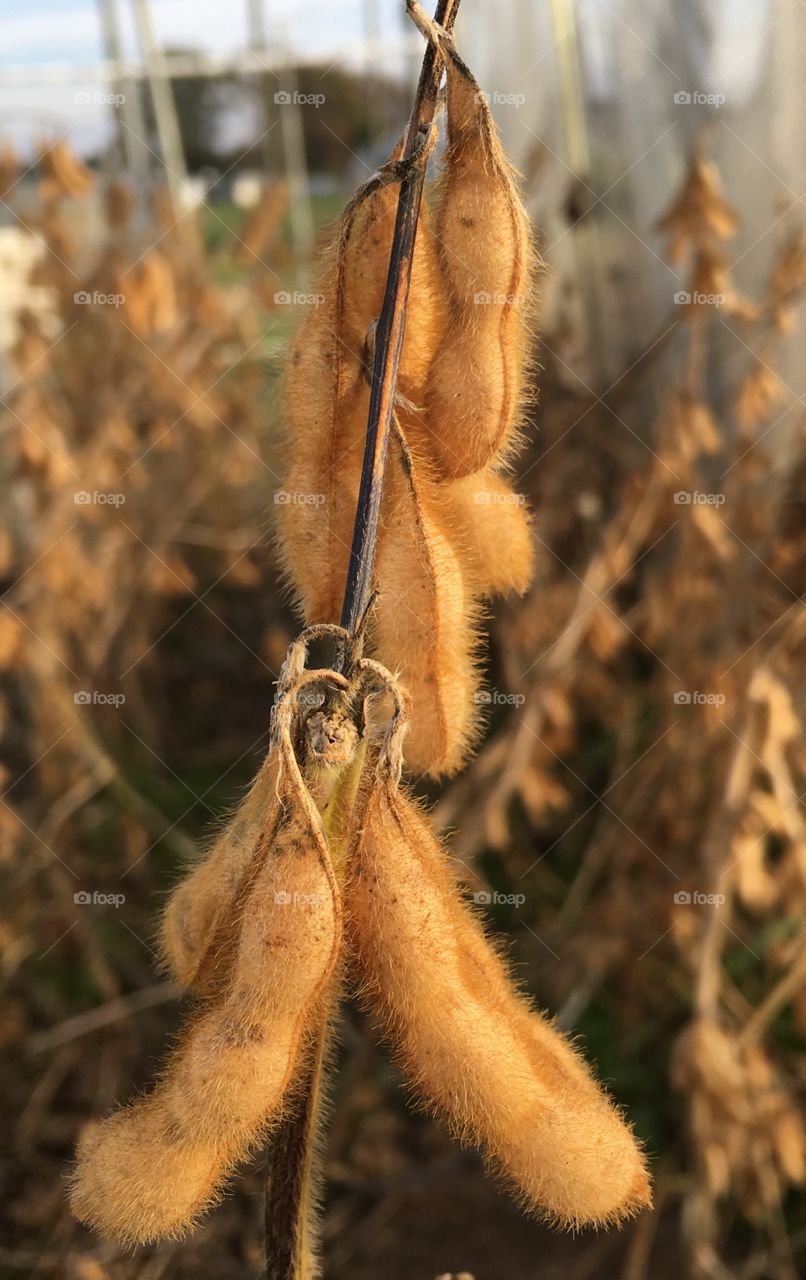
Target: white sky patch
[{"x": 60, "y": 33}]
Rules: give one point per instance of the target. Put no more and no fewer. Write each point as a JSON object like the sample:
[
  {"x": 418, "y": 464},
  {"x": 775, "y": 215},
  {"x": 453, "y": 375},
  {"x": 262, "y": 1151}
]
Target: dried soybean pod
[
  {"x": 425, "y": 619},
  {"x": 327, "y": 403},
  {"x": 327, "y": 390},
  {"x": 318, "y": 508},
  {"x": 327, "y": 400},
  {"x": 197, "y": 918},
  {"x": 149, "y": 1170},
  {"x": 135, "y": 1181},
  {"x": 496, "y": 533},
  {"x": 366, "y": 263},
  {"x": 478, "y": 380},
  {"x": 480, "y": 1057}
]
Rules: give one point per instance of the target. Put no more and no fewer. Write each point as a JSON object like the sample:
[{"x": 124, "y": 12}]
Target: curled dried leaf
[
  {"x": 63, "y": 174},
  {"x": 699, "y": 212}
]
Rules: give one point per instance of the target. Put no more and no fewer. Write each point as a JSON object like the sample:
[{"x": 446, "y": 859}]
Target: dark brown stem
[
  {"x": 389, "y": 335},
  {"x": 290, "y": 1173}
]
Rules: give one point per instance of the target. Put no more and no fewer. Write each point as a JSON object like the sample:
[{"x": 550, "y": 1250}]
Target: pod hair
[
  {"x": 477, "y": 387},
  {"x": 150, "y": 1169},
  {"x": 474, "y": 1051}
]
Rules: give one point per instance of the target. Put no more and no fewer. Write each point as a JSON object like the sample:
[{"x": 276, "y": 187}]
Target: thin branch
[
  {"x": 118, "y": 1010},
  {"x": 784, "y": 990}
]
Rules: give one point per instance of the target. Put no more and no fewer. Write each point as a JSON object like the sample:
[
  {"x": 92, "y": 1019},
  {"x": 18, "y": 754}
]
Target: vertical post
[
  {"x": 370, "y": 24},
  {"x": 170, "y": 138},
  {"x": 586, "y": 234},
  {"x": 129, "y": 120},
  {"x": 295, "y": 160},
  {"x": 256, "y": 26}
]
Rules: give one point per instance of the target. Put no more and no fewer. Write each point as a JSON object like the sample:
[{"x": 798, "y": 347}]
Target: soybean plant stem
[
  {"x": 390, "y": 333},
  {"x": 290, "y": 1216}
]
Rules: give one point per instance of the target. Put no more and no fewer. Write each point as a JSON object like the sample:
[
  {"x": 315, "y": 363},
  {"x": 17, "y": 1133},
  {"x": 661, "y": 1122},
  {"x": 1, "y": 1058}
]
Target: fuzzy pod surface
[
  {"x": 426, "y": 617},
  {"x": 327, "y": 393},
  {"x": 150, "y": 1169},
  {"x": 478, "y": 380},
  {"x": 472, "y": 1048},
  {"x": 440, "y": 549},
  {"x": 197, "y": 922},
  {"x": 496, "y": 531}
]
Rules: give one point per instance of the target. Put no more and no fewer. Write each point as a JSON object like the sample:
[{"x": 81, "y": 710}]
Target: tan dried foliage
[
  {"x": 745, "y": 1120},
  {"x": 640, "y": 597},
  {"x": 63, "y": 174}
]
